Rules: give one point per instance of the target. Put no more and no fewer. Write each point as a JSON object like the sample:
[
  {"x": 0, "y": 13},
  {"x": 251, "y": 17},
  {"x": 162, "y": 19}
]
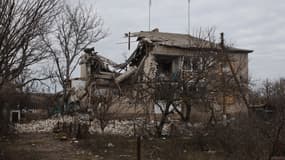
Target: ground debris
[{"x": 110, "y": 145}]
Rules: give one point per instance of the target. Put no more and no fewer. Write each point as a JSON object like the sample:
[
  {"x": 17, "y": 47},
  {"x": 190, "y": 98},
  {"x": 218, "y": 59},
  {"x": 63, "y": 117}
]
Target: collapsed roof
[
  {"x": 100, "y": 62},
  {"x": 150, "y": 39}
]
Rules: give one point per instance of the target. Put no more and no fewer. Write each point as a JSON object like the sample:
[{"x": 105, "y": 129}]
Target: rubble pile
[
  {"x": 137, "y": 127},
  {"x": 40, "y": 126},
  {"x": 116, "y": 127}
]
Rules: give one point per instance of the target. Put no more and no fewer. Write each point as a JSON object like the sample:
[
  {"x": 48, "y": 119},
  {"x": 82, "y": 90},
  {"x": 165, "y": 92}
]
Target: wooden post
[
  {"x": 78, "y": 131},
  {"x": 139, "y": 148},
  {"x": 58, "y": 125},
  {"x": 70, "y": 129},
  {"x": 63, "y": 126}
]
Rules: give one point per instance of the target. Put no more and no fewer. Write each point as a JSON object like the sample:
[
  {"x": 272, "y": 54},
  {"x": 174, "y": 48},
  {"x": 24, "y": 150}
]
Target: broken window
[
  {"x": 192, "y": 63},
  {"x": 187, "y": 63},
  {"x": 167, "y": 67}
]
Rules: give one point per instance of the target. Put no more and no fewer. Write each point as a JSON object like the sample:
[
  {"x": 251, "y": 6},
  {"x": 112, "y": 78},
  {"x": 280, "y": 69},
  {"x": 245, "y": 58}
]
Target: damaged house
[
  {"x": 195, "y": 70},
  {"x": 98, "y": 87},
  {"x": 215, "y": 72}
]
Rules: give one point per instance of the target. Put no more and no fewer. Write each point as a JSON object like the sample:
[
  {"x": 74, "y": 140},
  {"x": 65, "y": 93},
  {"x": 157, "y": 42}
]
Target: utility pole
[{"x": 129, "y": 41}]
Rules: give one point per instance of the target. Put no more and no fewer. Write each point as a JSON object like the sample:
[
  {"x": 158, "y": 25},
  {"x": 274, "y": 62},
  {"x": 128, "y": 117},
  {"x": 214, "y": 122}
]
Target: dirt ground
[
  {"x": 99, "y": 147},
  {"x": 40, "y": 147}
]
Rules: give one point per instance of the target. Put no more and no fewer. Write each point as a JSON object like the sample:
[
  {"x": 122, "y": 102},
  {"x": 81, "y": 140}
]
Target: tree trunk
[
  {"x": 188, "y": 112},
  {"x": 161, "y": 125},
  {"x": 163, "y": 119}
]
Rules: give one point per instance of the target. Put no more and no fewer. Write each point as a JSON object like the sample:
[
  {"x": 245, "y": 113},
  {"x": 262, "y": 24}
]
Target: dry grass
[{"x": 170, "y": 148}]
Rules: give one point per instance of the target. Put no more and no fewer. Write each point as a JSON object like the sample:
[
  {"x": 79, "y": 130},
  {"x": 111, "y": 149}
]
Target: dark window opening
[
  {"x": 15, "y": 116},
  {"x": 165, "y": 67}
]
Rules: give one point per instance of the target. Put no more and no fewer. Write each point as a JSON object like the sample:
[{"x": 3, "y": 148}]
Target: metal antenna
[
  {"x": 149, "y": 14},
  {"x": 189, "y": 17}
]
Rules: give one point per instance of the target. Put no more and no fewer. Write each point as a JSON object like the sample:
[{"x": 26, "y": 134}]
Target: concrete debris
[
  {"x": 110, "y": 145},
  {"x": 125, "y": 156},
  {"x": 63, "y": 138},
  {"x": 115, "y": 127},
  {"x": 40, "y": 126},
  {"x": 76, "y": 142},
  {"x": 211, "y": 152}
]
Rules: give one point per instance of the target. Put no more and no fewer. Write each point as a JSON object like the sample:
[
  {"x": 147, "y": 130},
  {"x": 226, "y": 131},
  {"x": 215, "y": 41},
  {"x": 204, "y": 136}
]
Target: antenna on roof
[
  {"x": 189, "y": 17},
  {"x": 149, "y": 12}
]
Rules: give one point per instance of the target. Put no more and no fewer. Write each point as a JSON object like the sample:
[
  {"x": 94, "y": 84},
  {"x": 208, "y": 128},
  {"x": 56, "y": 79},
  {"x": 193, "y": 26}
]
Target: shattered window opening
[
  {"x": 193, "y": 63},
  {"x": 168, "y": 67}
]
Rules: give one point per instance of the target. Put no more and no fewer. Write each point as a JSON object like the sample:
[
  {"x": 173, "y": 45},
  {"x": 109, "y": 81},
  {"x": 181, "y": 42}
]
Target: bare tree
[
  {"x": 196, "y": 85},
  {"x": 75, "y": 29},
  {"x": 21, "y": 24},
  {"x": 164, "y": 99},
  {"x": 102, "y": 107},
  {"x": 260, "y": 135},
  {"x": 35, "y": 79},
  {"x": 273, "y": 93}
]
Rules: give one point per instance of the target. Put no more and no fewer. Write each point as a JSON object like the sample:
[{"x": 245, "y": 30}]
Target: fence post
[{"x": 138, "y": 147}]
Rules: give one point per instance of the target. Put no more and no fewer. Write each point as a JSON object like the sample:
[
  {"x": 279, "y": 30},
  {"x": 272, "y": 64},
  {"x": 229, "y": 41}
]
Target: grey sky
[{"x": 249, "y": 24}]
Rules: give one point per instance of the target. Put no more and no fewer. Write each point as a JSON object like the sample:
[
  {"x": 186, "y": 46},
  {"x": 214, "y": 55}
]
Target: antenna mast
[
  {"x": 189, "y": 17},
  {"x": 149, "y": 13}
]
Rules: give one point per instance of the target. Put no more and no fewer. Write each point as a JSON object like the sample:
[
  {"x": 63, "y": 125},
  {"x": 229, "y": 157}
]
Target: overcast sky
[{"x": 251, "y": 24}]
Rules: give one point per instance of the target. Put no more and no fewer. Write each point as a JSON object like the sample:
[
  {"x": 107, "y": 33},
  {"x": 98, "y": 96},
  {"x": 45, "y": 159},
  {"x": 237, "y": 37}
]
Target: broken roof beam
[
  {"x": 104, "y": 76},
  {"x": 108, "y": 61},
  {"x": 125, "y": 75}
]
